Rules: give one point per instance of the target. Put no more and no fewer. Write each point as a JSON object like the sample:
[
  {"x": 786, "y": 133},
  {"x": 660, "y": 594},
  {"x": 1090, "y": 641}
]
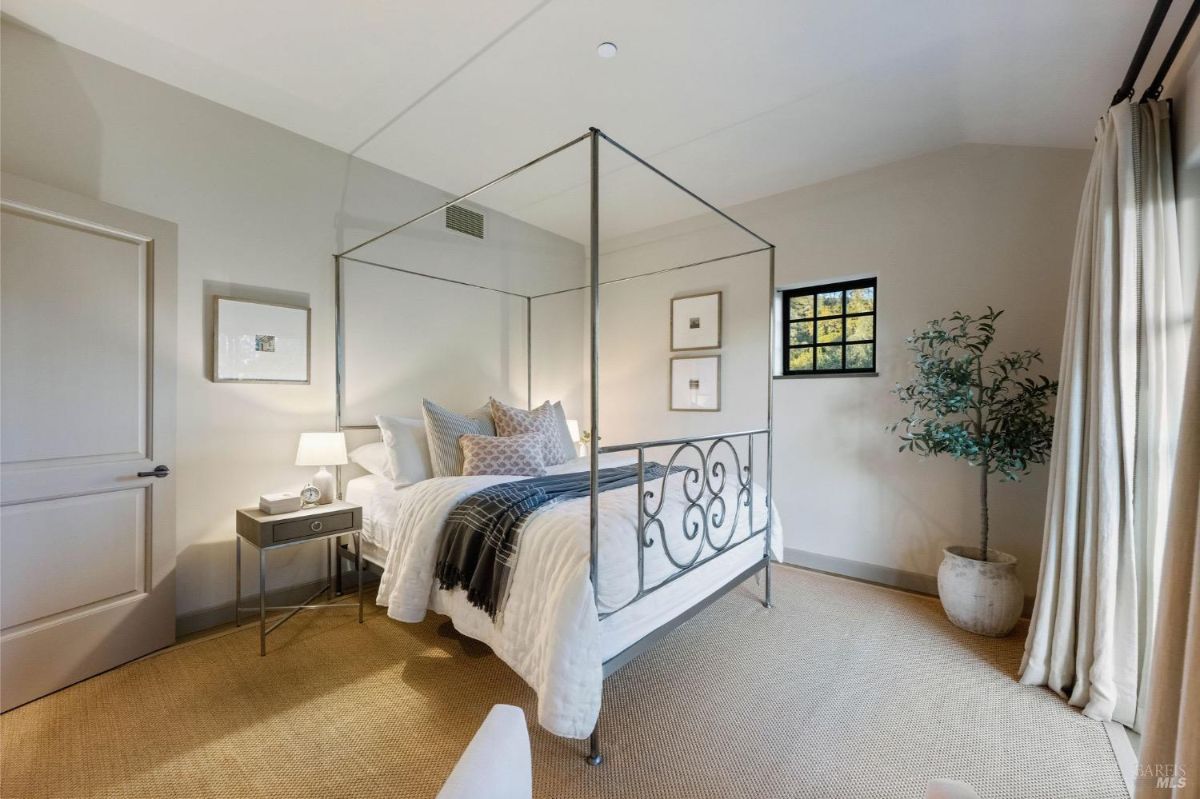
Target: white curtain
[
  {"x": 1171, "y": 742},
  {"x": 1117, "y": 419}
]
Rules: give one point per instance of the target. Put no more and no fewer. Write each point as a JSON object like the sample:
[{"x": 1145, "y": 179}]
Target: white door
[{"x": 87, "y": 402}]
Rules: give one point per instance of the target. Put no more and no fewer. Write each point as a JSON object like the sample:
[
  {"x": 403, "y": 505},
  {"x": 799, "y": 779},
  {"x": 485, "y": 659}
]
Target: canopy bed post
[
  {"x": 529, "y": 353},
  {"x": 339, "y": 371},
  {"x": 594, "y": 756},
  {"x": 770, "y": 422}
]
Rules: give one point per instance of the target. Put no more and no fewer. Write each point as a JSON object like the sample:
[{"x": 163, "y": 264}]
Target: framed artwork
[
  {"x": 696, "y": 383},
  {"x": 260, "y": 342},
  {"x": 696, "y": 322}
]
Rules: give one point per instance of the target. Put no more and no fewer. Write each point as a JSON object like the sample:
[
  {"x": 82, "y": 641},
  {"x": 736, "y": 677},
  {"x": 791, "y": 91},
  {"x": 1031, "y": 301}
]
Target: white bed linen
[
  {"x": 548, "y": 630},
  {"x": 380, "y": 499}
]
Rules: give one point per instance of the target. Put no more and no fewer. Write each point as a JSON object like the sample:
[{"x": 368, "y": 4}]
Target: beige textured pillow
[
  {"x": 516, "y": 455},
  {"x": 546, "y": 420}
]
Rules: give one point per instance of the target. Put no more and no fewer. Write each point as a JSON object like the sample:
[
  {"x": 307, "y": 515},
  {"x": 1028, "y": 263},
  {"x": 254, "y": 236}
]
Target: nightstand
[{"x": 267, "y": 532}]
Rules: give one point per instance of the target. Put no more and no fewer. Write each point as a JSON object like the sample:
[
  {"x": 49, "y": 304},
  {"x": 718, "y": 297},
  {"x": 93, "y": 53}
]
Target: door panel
[
  {"x": 99, "y": 539},
  {"x": 87, "y": 353},
  {"x": 73, "y": 339}
]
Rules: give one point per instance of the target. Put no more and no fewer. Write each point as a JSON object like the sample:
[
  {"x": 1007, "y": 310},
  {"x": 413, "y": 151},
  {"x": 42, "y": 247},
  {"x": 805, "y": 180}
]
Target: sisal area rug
[{"x": 841, "y": 690}]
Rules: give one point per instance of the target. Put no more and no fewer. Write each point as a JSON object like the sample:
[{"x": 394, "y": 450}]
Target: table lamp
[{"x": 322, "y": 449}]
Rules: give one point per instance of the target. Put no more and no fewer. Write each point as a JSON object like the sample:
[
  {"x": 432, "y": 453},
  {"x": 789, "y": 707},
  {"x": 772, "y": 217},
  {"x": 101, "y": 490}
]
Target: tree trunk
[
  {"x": 980, "y": 430},
  {"x": 983, "y": 508}
]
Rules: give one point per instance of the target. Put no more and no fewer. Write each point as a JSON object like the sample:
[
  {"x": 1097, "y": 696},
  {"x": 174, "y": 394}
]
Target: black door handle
[{"x": 159, "y": 471}]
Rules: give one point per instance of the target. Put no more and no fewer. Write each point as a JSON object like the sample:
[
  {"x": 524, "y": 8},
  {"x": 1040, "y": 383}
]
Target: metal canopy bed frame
[{"x": 703, "y": 484}]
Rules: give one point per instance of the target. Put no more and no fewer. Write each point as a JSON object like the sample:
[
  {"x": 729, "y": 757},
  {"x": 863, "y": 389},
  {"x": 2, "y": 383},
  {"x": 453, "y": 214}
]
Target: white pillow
[
  {"x": 374, "y": 458},
  {"x": 565, "y": 442},
  {"x": 407, "y": 448}
]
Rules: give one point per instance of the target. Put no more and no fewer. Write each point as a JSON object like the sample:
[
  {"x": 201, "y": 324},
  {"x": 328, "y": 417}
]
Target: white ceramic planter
[{"x": 979, "y": 596}]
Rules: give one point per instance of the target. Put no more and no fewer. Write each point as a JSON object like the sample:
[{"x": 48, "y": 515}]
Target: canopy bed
[{"x": 619, "y": 550}]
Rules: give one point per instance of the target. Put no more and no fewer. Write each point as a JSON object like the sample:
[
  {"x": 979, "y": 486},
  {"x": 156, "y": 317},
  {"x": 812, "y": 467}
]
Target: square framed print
[
  {"x": 696, "y": 322},
  {"x": 696, "y": 383},
  {"x": 260, "y": 342}
]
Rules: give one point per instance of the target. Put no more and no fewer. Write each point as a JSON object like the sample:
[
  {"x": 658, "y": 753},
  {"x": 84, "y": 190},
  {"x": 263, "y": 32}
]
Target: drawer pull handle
[{"x": 317, "y": 526}]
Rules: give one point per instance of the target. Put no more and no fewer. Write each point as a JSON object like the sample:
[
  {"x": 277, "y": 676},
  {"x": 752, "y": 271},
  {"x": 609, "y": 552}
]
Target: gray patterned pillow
[
  {"x": 547, "y": 420},
  {"x": 517, "y": 455},
  {"x": 443, "y": 428}
]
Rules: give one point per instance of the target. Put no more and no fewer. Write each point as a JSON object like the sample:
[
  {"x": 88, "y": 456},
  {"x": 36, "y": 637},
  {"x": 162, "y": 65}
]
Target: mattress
[
  {"x": 380, "y": 499},
  {"x": 549, "y": 631}
]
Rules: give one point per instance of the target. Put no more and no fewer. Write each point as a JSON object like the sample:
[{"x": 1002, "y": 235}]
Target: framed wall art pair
[{"x": 695, "y": 380}]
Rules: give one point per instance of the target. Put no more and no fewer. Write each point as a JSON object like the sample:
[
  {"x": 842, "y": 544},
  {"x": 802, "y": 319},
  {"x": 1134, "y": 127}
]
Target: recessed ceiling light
[{"x": 606, "y": 50}]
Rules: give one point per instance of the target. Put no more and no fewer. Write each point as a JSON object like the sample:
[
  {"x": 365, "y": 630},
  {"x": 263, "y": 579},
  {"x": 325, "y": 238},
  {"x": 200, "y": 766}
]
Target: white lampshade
[
  {"x": 321, "y": 449},
  {"x": 573, "y": 427}
]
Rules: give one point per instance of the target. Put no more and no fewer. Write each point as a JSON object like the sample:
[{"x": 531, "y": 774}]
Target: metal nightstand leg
[
  {"x": 237, "y": 581},
  {"x": 358, "y": 571},
  {"x": 262, "y": 602}
]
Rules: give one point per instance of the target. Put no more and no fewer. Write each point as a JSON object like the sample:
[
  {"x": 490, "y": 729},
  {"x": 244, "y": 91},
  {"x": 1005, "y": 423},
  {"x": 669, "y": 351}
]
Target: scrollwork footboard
[{"x": 717, "y": 490}]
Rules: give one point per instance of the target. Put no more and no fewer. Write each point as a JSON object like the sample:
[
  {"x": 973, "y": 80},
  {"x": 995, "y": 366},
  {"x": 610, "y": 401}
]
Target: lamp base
[{"x": 324, "y": 482}]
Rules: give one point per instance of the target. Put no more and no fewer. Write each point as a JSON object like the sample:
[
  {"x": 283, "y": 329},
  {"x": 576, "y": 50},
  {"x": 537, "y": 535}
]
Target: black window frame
[{"x": 785, "y": 328}]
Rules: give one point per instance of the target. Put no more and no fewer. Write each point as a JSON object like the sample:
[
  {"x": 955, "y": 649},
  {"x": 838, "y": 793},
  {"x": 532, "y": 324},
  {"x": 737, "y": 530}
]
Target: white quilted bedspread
[{"x": 548, "y": 629}]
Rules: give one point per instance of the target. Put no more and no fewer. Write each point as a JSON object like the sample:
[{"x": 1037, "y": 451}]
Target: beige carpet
[{"x": 842, "y": 689}]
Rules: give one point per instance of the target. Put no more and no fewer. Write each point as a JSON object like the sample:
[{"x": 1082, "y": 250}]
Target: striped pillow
[
  {"x": 516, "y": 455},
  {"x": 547, "y": 420},
  {"x": 443, "y": 429}
]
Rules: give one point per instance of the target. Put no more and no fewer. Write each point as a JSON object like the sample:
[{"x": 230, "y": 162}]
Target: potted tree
[{"x": 993, "y": 416}]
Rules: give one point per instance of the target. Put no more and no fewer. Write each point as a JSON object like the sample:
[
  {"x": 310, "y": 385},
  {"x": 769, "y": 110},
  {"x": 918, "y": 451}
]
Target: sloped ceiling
[{"x": 736, "y": 99}]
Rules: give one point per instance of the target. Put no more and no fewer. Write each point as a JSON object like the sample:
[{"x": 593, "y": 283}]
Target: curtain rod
[
  {"x": 1156, "y": 85},
  {"x": 1153, "y": 26},
  {"x": 1143, "y": 50}
]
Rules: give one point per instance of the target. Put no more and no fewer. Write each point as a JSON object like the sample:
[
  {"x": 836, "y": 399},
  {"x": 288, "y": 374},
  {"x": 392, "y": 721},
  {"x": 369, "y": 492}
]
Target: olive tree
[{"x": 989, "y": 413}]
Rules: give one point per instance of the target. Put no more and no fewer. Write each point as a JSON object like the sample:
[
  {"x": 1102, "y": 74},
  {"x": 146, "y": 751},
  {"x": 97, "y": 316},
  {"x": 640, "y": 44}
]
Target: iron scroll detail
[{"x": 718, "y": 489}]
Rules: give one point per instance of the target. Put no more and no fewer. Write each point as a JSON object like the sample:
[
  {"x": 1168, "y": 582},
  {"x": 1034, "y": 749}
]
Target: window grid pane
[
  {"x": 800, "y": 359},
  {"x": 801, "y": 307},
  {"x": 801, "y": 333},
  {"x": 830, "y": 329},
  {"x": 829, "y": 357},
  {"x": 860, "y": 356},
  {"x": 860, "y": 328},
  {"x": 830, "y": 304},
  {"x": 860, "y": 300}
]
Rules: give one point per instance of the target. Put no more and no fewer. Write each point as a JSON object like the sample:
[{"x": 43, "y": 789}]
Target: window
[{"x": 829, "y": 329}]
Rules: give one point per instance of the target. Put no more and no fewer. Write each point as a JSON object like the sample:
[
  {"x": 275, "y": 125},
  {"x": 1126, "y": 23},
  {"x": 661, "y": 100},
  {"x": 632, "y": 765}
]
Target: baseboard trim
[
  {"x": 206, "y": 618},
  {"x": 1121, "y": 741},
  {"x": 873, "y": 573}
]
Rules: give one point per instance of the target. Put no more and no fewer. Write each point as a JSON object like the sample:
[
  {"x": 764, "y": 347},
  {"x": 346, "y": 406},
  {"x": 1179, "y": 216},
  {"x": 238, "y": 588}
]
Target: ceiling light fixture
[{"x": 606, "y": 50}]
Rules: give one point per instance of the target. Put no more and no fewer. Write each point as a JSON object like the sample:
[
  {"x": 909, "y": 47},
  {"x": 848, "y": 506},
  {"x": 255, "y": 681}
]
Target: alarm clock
[{"x": 310, "y": 494}]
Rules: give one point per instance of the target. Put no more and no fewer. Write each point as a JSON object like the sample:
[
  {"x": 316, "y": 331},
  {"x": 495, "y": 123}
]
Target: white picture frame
[
  {"x": 696, "y": 322},
  {"x": 695, "y": 383},
  {"x": 260, "y": 342}
]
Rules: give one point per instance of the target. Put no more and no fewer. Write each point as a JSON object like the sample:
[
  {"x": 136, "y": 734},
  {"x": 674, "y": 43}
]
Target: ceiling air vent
[{"x": 464, "y": 220}]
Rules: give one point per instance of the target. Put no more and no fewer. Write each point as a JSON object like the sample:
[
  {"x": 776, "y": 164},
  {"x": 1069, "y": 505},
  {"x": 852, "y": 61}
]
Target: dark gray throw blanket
[{"x": 479, "y": 541}]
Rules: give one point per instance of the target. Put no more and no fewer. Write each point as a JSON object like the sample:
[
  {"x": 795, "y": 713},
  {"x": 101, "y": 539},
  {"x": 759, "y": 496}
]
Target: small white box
[{"x": 283, "y": 502}]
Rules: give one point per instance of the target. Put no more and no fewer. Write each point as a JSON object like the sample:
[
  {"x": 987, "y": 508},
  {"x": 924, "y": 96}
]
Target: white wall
[
  {"x": 393, "y": 320},
  {"x": 958, "y": 229},
  {"x": 260, "y": 211}
]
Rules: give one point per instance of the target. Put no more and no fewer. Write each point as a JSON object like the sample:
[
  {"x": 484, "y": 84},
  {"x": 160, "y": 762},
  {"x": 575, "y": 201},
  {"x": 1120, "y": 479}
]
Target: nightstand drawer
[
  {"x": 302, "y": 528},
  {"x": 320, "y": 521}
]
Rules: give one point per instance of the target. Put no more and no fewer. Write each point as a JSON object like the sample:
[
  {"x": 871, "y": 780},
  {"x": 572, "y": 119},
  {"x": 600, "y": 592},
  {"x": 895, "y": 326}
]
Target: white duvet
[{"x": 548, "y": 629}]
